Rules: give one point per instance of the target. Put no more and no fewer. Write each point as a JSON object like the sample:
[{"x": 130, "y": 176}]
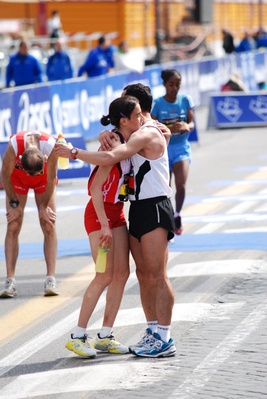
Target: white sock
[
  {"x": 79, "y": 332},
  {"x": 176, "y": 214},
  {"x": 164, "y": 332},
  {"x": 153, "y": 326},
  {"x": 105, "y": 332},
  {"x": 53, "y": 278}
]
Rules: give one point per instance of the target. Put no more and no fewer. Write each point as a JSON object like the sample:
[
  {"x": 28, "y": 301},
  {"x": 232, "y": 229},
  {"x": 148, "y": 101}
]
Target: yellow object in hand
[{"x": 101, "y": 260}]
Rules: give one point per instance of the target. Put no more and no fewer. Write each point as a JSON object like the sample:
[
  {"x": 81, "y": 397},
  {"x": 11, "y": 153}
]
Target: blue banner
[
  {"x": 238, "y": 110},
  {"x": 76, "y": 106}
]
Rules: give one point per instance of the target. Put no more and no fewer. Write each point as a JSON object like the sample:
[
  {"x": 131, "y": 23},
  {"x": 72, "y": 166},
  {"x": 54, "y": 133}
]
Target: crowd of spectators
[
  {"x": 30, "y": 64},
  {"x": 25, "y": 67},
  {"x": 250, "y": 41}
]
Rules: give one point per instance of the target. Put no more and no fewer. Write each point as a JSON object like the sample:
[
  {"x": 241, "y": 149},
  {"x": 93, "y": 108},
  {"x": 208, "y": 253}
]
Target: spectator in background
[
  {"x": 54, "y": 25},
  {"x": 228, "y": 42},
  {"x": 261, "y": 39},
  {"x": 100, "y": 59},
  {"x": 125, "y": 60},
  {"x": 234, "y": 84},
  {"x": 23, "y": 68},
  {"x": 247, "y": 43},
  {"x": 59, "y": 64},
  {"x": 262, "y": 86}
]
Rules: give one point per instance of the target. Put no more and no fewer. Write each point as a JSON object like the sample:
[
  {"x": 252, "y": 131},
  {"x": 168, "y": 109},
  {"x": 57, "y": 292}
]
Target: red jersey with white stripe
[
  {"x": 111, "y": 187},
  {"x": 21, "y": 181},
  {"x": 18, "y": 142}
]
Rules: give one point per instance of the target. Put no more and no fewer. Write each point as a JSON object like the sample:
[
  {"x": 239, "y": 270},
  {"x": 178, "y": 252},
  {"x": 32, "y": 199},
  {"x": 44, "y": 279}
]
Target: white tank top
[{"x": 151, "y": 177}]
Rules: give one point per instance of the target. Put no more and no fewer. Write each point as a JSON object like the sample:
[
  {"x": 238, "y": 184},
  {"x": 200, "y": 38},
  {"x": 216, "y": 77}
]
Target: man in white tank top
[{"x": 151, "y": 223}]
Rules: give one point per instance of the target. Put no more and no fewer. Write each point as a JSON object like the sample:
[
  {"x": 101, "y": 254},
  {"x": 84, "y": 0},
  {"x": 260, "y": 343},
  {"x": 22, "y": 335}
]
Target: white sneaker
[
  {"x": 10, "y": 289},
  {"x": 146, "y": 340},
  {"x": 109, "y": 344},
  {"x": 80, "y": 346},
  {"x": 50, "y": 286}
]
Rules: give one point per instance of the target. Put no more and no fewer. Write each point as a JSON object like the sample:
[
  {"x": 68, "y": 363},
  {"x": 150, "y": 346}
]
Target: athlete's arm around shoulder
[{"x": 136, "y": 143}]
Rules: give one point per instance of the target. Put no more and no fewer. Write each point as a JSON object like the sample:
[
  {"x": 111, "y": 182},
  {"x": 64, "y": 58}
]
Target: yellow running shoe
[
  {"x": 80, "y": 346},
  {"x": 109, "y": 344}
]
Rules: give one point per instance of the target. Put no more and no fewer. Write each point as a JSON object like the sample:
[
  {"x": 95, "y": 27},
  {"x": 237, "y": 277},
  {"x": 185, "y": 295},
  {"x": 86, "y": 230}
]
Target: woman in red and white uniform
[{"x": 106, "y": 226}]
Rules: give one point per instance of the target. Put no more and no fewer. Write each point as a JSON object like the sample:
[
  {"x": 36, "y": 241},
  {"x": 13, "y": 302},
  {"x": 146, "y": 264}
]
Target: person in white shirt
[{"x": 126, "y": 60}]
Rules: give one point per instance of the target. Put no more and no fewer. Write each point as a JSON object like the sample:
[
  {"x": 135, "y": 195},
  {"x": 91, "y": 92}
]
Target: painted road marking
[
  {"x": 76, "y": 379},
  {"x": 209, "y": 366},
  {"x": 235, "y": 189},
  {"x": 209, "y": 228},
  {"x": 242, "y": 207},
  {"x": 128, "y": 376},
  {"x": 230, "y": 198},
  {"x": 51, "y": 382},
  {"x": 181, "y": 311},
  {"x": 234, "y": 266},
  {"x": 219, "y": 241},
  {"x": 203, "y": 311},
  {"x": 244, "y": 182},
  {"x": 262, "y": 229},
  {"x": 184, "y": 243},
  {"x": 224, "y": 218},
  {"x": 25, "y": 316}
]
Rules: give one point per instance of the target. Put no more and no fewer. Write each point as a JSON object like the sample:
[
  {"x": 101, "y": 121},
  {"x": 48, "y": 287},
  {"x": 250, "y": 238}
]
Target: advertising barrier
[
  {"x": 237, "y": 110},
  {"x": 75, "y": 106}
]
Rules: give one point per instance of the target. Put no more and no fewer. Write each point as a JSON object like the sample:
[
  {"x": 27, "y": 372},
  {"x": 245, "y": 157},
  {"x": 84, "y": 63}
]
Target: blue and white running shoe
[
  {"x": 145, "y": 341},
  {"x": 158, "y": 348}
]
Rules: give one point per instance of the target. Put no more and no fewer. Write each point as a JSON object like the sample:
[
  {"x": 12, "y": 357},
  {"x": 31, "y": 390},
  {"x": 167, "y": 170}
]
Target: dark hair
[
  {"x": 23, "y": 42},
  {"x": 142, "y": 93},
  {"x": 122, "y": 107},
  {"x": 166, "y": 74},
  {"x": 101, "y": 40},
  {"x": 32, "y": 161}
]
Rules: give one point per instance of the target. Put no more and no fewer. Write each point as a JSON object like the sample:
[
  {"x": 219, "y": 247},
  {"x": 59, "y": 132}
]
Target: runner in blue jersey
[{"x": 176, "y": 112}]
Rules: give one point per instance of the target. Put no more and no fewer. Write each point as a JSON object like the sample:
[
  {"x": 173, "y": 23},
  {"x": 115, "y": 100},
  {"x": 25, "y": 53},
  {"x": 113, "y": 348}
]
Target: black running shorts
[{"x": 149, "y": 214}]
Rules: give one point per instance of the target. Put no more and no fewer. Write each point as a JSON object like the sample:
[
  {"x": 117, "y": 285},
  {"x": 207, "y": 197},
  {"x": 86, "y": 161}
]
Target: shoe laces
[
  {"x": 112, "y": 342},
  {"x": 9, "y": 282},
  {"x": 148, "y": 340},
  {"x": 146, "y": 336},
  {"x": 50, "y": 282},
  {"x": 156, "y": 343},
  {"x": 84, "y": 338}
]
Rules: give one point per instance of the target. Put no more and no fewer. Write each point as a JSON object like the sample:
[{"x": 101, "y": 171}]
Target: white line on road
[
  {"x": 76, "y": 380},
  {"x": 180, "y": 310},
  {"x": 203, "y": 372}
]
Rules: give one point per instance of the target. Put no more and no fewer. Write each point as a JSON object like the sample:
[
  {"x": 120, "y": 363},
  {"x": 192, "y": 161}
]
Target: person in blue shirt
[
  {"x": 23, "y": 68},
  {"x": 247, "y": 43},
  {"x": 100, "y": 59},
  {"x": 261, "y": 38},
  {"x": 176, "y": 112},
  {"x": 59, "y": 65}
]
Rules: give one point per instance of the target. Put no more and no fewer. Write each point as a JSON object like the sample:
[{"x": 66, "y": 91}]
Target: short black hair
[
  {"x": 142, "y": 93},
  {"x": 166, "y": 74},
  {"x": 101, "y": 40}
]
